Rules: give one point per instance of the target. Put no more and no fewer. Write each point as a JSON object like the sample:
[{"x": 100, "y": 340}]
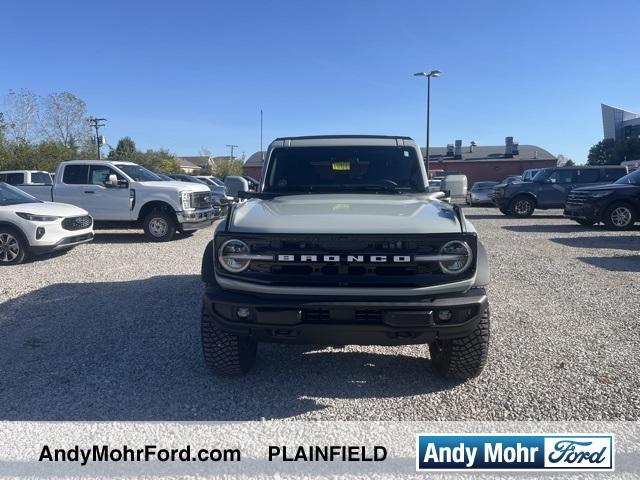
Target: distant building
[
  {"x": 193, "y": 165},
  {"x": 253, "y": 166},
  {"x": 490, "y": 162},
  {"x": 619, "y": 124},
  {"x": 478, "y": 163}
]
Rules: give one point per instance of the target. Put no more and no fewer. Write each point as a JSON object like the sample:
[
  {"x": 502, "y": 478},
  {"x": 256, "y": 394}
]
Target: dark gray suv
[{"x": 550, "y": 188}]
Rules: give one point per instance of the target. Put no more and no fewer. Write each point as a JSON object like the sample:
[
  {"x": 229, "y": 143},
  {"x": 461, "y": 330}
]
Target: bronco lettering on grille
[{"x": 345, "y": 258}]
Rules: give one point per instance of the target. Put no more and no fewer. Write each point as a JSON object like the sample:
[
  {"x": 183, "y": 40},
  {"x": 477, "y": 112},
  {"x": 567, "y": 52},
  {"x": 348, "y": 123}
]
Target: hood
[
  {"x": 177, "y": 186},
  {"x": 340, "y": 214},
  {"x": 609, "y": 186},
  {"x": 50, "y": 208}
]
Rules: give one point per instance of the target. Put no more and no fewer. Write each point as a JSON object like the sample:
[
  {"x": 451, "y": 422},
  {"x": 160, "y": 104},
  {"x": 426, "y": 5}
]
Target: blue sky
[{"x": 194, "y": 74}]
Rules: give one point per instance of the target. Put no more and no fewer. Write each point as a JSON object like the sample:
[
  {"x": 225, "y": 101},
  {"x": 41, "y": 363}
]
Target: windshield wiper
[{"x": 367, "y": 187}]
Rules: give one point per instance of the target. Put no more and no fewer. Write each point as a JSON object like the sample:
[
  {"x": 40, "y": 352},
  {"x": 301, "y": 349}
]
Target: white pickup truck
[
  {"x": 126, "y": 194},
  {"x": 26, "y": 177}
]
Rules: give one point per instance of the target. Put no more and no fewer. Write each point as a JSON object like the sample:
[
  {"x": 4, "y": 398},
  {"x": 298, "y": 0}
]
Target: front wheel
[
  {"x": 619, "y": 216},
  {"x": 226, "y": 354},
  {"x": 13, "y": 250},
  {"x": 465, "y": 357},
  {"x": 522, "y": 207},
  {"x": 159, "y": 226}
]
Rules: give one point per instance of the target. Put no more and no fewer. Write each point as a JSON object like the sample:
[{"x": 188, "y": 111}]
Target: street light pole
[{"x": 432, "y": 73}]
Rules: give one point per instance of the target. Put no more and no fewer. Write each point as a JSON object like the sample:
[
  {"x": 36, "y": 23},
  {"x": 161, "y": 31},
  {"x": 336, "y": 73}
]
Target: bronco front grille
[
  {"x": 77, "y": 223},
  {"x": 339, "y": 271}
]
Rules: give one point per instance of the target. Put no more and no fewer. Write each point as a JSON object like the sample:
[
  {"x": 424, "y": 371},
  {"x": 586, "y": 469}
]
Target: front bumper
[
  {"x": 323, "y": 320},
  {"x": 199, "y": 218},
  {"x": 585, "y": 211},
  {"x": 63, "y": 244}
]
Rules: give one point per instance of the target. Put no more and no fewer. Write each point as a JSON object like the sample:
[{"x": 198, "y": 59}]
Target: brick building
[{"x": 487, "y": 163}]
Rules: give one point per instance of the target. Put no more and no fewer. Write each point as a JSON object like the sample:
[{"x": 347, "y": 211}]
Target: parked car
[
  {"x": 455, "y": 184},
  {"x": 126, "y": 194},
  {"x": 29, "y": 226},
  {"x": 480, "y": 193},
  {"x": 335, "y": 250},
  {"x": 550, "y": 188},
  {"x": 219, "y": 194},
  {"x": 617, "y": 205},
  {"x": 434, "y": 185},
  {"x": 217, "y": 188},
  {"x": 37, "y": 182},
  {"x": 25, "y": 177},
  {"x": 164, "y": 177}
]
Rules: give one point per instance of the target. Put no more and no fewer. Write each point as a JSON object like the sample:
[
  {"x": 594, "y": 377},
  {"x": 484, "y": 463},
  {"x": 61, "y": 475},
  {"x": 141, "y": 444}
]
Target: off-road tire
[
  {"x": 505, "y": 211},
  {"x": 152, "y": 223},
  {"x": 10, "y": 239},
  {"x": 608, "y": 217},
  {"x": 462, "y": 358},
  {"x": 226, "y": 354},
  {"x": 522, "y": 206}
]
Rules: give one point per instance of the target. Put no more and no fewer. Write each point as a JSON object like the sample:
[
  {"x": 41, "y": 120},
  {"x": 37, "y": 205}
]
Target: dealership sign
[{"x": 494, "y": 452}]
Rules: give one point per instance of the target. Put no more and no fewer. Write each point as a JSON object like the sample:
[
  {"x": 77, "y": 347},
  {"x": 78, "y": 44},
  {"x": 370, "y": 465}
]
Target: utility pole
[
  {"x": 96, "y": 123},
  {"x": 232, "y": 147}
]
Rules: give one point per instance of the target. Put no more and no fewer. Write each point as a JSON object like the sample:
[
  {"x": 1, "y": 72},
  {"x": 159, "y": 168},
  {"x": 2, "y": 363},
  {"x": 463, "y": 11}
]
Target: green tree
[
  {"x": 612, "y": 152},
  {"x": 603, "y": 153},
  {"x": 125, "y": 150},
  {"x": 225, "y": 167},
  {"x": 161, "y": 161}
]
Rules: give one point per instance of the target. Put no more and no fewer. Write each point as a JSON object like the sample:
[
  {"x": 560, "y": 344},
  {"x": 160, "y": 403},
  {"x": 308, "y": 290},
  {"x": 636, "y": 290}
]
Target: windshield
[
  {"x": 540, "y": 176},
  {"x": 344, "y": 169},
  {"x": 209, "y": 182},
  {"x": 12, "y": 196},
  {"x": 632, "y": 178},
  {"x": 138, "y": 173}
]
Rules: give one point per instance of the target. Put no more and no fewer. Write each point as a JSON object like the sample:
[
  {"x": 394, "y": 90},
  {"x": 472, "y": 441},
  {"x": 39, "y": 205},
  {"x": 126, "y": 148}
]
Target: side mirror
[{"x": 112, "y": 181}]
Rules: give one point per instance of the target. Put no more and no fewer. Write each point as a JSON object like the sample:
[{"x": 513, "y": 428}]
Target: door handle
[{"x": 89, "y": 191}]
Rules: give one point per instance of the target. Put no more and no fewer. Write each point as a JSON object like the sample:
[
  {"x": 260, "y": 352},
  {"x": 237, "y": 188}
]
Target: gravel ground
[{"x": 110, "y": 331}]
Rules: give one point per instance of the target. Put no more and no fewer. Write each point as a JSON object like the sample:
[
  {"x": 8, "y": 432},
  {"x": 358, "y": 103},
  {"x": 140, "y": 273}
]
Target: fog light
[
  {"x": 444, "y": 315},
  {"x": 39, "y": 233},
  {"x": 243, "y": 313}
]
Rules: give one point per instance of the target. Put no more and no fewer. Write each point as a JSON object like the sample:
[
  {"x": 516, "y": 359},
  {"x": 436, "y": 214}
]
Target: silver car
[{"x": 479, "y": 193}]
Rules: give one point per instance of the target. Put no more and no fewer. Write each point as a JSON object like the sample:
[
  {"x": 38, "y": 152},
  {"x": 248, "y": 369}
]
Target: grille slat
[
  {"x": 202, "y": 200},
  {"x": 77, "y": 223},
  {"x": 577, "y": 198}
]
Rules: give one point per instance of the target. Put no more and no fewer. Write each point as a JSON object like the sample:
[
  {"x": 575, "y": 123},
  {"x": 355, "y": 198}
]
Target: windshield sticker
[{"x": 341, "y": 166}]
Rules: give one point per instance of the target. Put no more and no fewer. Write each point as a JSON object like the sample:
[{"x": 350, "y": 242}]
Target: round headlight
[
  {"x": 231, "y": 255},
  {"x": 460, "y": 250}
]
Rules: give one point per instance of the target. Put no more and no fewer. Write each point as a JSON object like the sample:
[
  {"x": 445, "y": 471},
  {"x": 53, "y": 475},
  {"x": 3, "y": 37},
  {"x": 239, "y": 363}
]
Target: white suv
[{"x": 29, "y": 226}]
